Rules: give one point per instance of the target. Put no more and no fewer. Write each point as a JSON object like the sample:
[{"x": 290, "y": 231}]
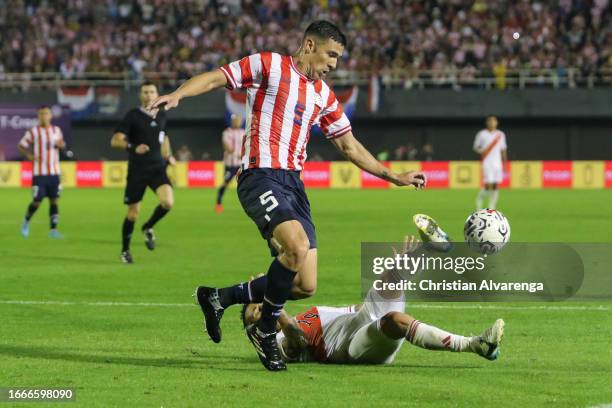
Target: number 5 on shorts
[{"x": 268, "y": 198}]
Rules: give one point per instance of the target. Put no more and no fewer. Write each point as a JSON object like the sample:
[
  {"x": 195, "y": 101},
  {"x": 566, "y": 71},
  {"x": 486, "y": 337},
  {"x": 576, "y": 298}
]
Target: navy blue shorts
[
  {"x": 45, "y": 186},
  {"x": 271, "y": 197},
  {"x": 229, "y": 173}
]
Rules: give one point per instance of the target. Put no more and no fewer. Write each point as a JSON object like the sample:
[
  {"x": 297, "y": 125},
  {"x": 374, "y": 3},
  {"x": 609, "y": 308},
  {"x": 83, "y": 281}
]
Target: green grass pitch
[{"x": 88, "y": 333}]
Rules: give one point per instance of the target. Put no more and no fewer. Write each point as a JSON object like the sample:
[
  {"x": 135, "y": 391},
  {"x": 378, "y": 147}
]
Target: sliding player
[
  {"x": 286, "y": 95},
  {"x": 490, "y": 144},
  {"x": 232, "y": 155},
  {"x": 371, "y": 333},
  {"x": 41, "y": 145}
]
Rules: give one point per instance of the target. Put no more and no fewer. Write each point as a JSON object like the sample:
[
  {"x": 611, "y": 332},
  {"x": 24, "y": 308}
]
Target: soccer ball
[{"x": 487, "y": 231}]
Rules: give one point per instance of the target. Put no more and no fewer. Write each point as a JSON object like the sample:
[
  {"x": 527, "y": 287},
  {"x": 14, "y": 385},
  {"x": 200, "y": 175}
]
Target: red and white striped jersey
[
  {"x": 46, "y": 154},
  {"x": 282, "y": 105},
  {"x": 233, "y": 138}
]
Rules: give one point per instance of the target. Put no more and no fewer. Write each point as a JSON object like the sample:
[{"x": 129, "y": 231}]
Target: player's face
[
  {"x": 492, "y": 123},
  {"x": 252, "y": 313},
  {"x": 44, "y": 116},
  {"x": 322, "y": 57},
  {"x": 147, "y": 94}
]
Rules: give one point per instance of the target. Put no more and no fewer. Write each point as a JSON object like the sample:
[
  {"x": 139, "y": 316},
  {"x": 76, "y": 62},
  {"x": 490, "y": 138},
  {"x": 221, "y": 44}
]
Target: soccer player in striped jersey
[
  {"x": 286, "y": 95},
  {"x": 490, "y": 144},
  {"x": 232, "y": 155},
  {"x": 41, "y": 145}
]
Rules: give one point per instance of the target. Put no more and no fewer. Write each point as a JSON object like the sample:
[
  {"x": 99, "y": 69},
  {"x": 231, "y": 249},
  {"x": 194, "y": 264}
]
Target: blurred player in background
[
  {"x": 490, "y": 144},
  {"x": 232, "y": 156},
  {"x": 41, "y": 145},
  {"x": 143, "y": 134},
  {"x": 286, "y": 95}
]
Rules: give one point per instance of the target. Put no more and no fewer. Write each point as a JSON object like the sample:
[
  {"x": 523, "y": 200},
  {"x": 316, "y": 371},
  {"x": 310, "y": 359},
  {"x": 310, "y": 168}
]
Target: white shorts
[
  {"x": 492, "y": 174},
  {"x": 357, "y": 337}
]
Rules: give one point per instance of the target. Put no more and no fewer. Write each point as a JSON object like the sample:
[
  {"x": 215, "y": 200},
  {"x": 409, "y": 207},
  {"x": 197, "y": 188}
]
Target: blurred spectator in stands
[
  {"x": 500, "y": 70},
  {"x": 607, "y": 67},
  {"x": 411, "y": 152},
  {"x": 183, "y": 153},
  {"x": 456, "y": 37},
  {"x": 205, "y": 156},
  {"x": 315, "y": 157},
  {"x": 383, "y": 155},
  {"x": 399, "y": 153},
  {"x": 427, "y": 152}
]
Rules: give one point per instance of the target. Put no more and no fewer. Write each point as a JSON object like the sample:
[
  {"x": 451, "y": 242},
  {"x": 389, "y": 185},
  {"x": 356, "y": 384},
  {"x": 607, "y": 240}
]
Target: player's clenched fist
[
  {"x": 142, "y": 149},
  {"x": 414, "y": 178}
]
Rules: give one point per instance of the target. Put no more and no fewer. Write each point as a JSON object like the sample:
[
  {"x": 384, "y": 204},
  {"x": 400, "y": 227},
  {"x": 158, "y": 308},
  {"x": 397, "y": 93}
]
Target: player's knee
[
  {"x": 167, "y": 203},
  {"x": 393, "y": 325},
  {"x": 304, "y": 291},
  {"x": 132, "y": 213},
  {"x": 36, "y": 204},
  {"x": 295, "y": 252}
]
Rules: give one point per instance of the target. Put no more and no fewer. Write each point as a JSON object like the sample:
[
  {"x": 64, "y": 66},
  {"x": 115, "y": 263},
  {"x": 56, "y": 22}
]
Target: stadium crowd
[{"x": 188, "y": 36}]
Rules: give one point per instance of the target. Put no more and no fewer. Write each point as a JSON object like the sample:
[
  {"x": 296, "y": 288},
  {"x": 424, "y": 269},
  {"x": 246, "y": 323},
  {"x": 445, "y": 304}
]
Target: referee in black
[{"x": 143, "y": 134}]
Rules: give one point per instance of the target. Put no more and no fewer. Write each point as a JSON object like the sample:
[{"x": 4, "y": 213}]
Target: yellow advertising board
[
  {"x": 10, "y": 174},
  {"x": 403, "y": 167},
  {"x": 526, "y": 174},
  {"x": 220, "y": 175},
  {"x": 114, "y": 173},
  {"x": 345, "y": 175},
  {"x": 464, "y": 174},
  {"x": 588, "y": 174},
  {"x": 178, "y": 174},
  {"x": 68, "y": 174}
]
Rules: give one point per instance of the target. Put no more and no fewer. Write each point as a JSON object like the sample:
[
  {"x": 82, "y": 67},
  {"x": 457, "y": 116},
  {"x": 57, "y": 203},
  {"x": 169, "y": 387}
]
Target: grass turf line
[{"x": 158, "y": 356}]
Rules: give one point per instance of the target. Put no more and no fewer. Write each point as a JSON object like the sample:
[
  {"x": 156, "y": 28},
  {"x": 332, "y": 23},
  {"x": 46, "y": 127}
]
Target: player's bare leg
[
  {"x": 25, "y": 226},
  {"x": 397, "y": 325},
  {"x": 283, "y": 270},
  {"x": 54, "y": 218},
  {"x": 127, "y": 230},
  {"x": 165, "y": 194},
  {"x": 213, "y": 301},
  {"x": 305, "y": 282}
]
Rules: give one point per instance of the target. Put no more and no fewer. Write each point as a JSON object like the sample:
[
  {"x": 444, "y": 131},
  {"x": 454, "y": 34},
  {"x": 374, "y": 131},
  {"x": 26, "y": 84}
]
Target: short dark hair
[
  {"x": 41, "y": 107},
  {"x": 148, "y": 83},
  {"x": 325, "y": 30}
]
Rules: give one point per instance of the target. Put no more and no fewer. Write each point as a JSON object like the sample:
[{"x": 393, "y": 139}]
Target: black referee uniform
[
  {"x": 144, "y": 170},
  {"x": 148, "y": 169}
]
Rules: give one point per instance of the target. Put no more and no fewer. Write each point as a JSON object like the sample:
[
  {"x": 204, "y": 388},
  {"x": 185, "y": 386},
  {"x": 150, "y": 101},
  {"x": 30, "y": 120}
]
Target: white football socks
[
  {"x": 480, "y": 198},
  {"x": 493, "y": 199},
  {"x": 432, "y": 338}
]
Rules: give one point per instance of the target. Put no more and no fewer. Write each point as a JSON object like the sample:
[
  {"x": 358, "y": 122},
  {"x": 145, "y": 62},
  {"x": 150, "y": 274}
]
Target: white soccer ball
[{"x": 487, "y": 231}]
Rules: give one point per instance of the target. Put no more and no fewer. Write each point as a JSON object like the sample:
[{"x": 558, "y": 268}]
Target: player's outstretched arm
[
  {"x": 196, "y": 85},
  {"x": 295, "y": 340},
  {"x": 362, "y": 158}
]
